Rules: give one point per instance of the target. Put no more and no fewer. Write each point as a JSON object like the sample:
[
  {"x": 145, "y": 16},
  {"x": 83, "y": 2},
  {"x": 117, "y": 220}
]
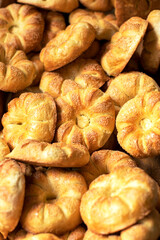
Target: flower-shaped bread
[
  {"x": 104, "y": 162},
  {"x": 31, "y": 116},
  {"x": 16, "y": 71},
  {"x": 127, "y": 85},
  {"x": 151, "y": 51},
  {"x": 122, "y": 45},
  {"x": 52, "y": 201},
  {"x": 138, "y": 125},
  {"x": 68, "y": 45},
  {"x": 118, "y": 200},
  {"x": 12, "y": 189},
  {"x": 102, "y": 25},
  {"x": 54, "y": 5},
  {"x": 83, "y": 73},
  {"x": 21, "y": 26},
  {"x": 85, "y": 116}
]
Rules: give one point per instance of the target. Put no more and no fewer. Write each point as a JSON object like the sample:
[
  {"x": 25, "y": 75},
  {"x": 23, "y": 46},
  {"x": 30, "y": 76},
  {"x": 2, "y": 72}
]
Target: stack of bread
[{"x": 80, "y": 120}]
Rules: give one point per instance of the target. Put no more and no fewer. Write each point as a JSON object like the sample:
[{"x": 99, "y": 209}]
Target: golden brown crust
[
  {"x": 81, "y": 72},
  {"x": 4, "y": 149},
  {"x": 54, "y": 22},
  {"x": 54, "y": 208},
  {"x": 50, "y": 155},
  {"x": 21, "y": 26},
  {"x": 54, "y": 5},
  {"x": 89, "y": 235},
  {"x": 104, "y": 162},
  {"x": 31, "y": 116},
  {"x": 122, "y": 46},
  {"x": 12, "y": 187},
  {"x": 127, "y": 85},
  {"x": 125, "y": 9},
  {"x": 150, "y": 57},
  {"x": 97, "y": 5},
  {"x": 101, "y": 23},
  {"x": 85, "y": 116},
  {"x": 16, "y": 71},
  {"x": 39, "y": 68},
  {"x": 138, "y": 125},
  {"x": 77, "y": 234},
  {"x": 68, "y": 45},
  {"x": 145, "y": 229},
  {"x": 23, "y": 235},
  {"x": 117, "y": 200}
]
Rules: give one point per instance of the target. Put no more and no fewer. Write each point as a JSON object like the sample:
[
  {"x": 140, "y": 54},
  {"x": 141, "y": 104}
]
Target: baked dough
[
  {"x": 97, "y": 5},
  {"x": 31, "y": 116},
  {"x": 21, "y": 26},
  {"x": 54, "y": 22},
  {"x": 23, "y": 235},
  {"x": 127, "y": 85},
  {"x": 50, "y": 155},
  {"x": 122, "y": 45},
  {"x": 39, "y": 68},
  {"x": 12, "y": 188},
  {"x": 4, "y": 149},
  {"x": 150, "y": 57},
  {"x": 85, "y": 116},
  {"x": 84, "y": 72},
  {"x": 118, "y": 200},
  {"x": 138, "y": 125},
  {"x": 77, "y": 234},
  {"x": 16, "y": 71},
  {"x": 145, "y": 229},
  {"x": 54, "y": 5},
  {"x": 68, "y": 45},
  {"x": 99, "y": 20},
  {"x": 52, "y": 202},
  {"x": 104, "y": 162}
]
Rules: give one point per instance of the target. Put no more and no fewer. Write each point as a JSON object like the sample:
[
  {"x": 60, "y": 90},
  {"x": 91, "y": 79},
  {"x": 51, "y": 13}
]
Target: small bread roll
[
  {"x": 104, "y": 162},
  {"x": 68, "y": 45},
  {"x": 118, "y": 200},
  {"x": 122, "y": 45},
  {"x": 85, "y": 116},
  {"x": 102, "y": 25},
  {"x": 84, "y": 72},
  {"x": 12, "y": 188},
  {"x": 54, "y": 5},
  {"x": 150, "y": 57},
  {"x": 127, "y": 85},
  {"x": 16, "y": 71},
  {"x": 21, "y": 26},
  {"x": 50, "y": 155},
  {"x": 31, "y": 116},
  {"x": 55, "y": 205},
  {"x": 138, "y": 125}
]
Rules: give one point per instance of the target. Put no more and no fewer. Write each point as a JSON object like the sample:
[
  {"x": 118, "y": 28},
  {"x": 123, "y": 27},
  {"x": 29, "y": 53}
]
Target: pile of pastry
[{"x": 80, "y": 120}]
